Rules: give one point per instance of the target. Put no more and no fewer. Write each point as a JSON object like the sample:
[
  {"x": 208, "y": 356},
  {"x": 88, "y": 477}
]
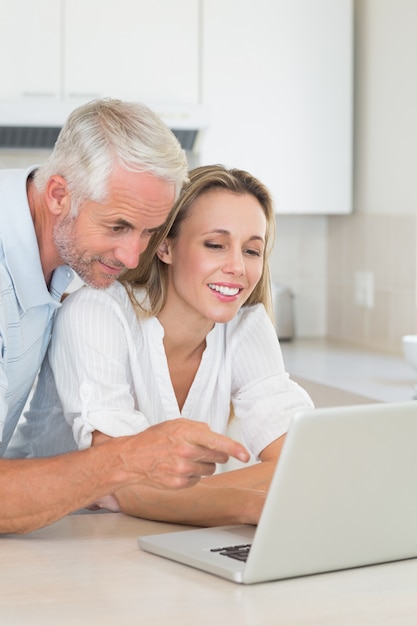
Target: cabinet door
[
  {"x": 277, "y": 77},
  {"x": 30, "y": 36},
  {"x": 144, "y": 50}
]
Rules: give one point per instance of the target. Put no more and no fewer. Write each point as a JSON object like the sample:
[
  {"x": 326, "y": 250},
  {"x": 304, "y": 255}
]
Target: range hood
[{"x": 35, "y": 123}]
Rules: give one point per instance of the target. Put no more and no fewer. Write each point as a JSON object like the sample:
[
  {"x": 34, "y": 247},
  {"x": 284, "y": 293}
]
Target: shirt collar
[{"x": 21, "y": 246}]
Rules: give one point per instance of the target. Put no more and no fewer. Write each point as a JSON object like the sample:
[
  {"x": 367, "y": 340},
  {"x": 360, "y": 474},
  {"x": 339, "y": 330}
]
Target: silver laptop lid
[{"x": 343, "y": 495}]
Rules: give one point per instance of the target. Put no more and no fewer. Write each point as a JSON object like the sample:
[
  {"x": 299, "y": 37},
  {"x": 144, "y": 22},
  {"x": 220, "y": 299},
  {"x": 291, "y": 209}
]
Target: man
[{"x": 110, "y": 182}]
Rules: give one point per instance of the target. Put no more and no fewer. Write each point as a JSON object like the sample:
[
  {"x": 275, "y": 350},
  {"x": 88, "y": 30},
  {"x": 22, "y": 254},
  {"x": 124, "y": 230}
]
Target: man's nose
[{"x": 129, "y": 252}]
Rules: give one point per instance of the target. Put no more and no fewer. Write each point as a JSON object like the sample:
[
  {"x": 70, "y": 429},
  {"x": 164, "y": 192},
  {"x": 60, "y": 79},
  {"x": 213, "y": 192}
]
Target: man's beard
[{"x": 66, "y": 246}]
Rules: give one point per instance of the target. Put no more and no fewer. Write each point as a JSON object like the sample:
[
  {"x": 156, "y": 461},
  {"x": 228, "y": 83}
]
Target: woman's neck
[
  {"x": 184, "y": 330},
  {"x": 184, "y": 343}
]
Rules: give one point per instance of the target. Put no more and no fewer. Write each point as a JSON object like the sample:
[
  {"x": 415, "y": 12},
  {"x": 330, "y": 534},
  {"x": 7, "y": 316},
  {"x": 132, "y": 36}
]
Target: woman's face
[{"x": 217, "y": 258}]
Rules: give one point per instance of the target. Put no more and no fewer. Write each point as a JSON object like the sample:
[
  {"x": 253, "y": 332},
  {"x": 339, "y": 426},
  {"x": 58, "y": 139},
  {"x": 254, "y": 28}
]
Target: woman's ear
[{"x": 164, "y": 252}]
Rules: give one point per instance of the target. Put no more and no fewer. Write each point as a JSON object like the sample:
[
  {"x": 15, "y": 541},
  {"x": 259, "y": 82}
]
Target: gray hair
[{"x": 106, "y": 133}]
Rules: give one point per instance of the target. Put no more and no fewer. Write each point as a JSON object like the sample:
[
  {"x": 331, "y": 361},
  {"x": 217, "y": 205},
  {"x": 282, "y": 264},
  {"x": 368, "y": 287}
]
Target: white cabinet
[
  {"x": 30, "y": 48},
  {"x": 133, "y": 49},
  {"x": 277, "y": 77},
  {"x": 144, "y": 50}
]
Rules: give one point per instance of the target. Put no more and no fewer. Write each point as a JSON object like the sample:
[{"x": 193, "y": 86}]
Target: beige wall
[
  {"x": 319, "y": 257},
  {"x": 380, "y": 237},
  {"x": 299, "y": 261},
  {"x": 384, "y": 245}
]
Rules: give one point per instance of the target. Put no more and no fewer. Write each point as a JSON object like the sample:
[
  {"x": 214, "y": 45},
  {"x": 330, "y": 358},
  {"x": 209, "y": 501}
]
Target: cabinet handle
[
  {"x": 83, "y": 96},
  {"x": 39, "y": 94}
]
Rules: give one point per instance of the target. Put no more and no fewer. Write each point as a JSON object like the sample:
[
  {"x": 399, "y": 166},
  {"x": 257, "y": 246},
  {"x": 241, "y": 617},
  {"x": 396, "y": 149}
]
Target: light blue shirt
[{"x": 27, "y": 308}]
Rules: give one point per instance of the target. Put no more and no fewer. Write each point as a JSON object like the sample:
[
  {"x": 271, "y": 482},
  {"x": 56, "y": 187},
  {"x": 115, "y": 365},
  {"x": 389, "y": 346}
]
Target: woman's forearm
[
  {"x": 257, "y": 476},
  {"x": 201, "y": 505}
]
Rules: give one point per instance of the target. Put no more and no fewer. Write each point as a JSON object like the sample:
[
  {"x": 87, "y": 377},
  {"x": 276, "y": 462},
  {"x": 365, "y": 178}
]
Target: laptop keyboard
[{"x": 239, "y": 553}]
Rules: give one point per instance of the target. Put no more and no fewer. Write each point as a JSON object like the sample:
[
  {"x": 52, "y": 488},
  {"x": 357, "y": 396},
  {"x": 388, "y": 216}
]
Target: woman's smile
[{"x": 225, "y": 290}]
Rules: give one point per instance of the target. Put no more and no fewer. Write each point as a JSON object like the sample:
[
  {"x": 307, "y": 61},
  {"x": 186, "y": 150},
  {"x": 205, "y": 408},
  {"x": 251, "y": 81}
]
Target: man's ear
[
  {"x": 57, "y": 194},
  {"x": 164, "y": 252}
]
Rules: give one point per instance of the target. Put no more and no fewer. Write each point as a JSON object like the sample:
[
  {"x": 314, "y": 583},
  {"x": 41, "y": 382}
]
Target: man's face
[{"x": 106, "y": 238}]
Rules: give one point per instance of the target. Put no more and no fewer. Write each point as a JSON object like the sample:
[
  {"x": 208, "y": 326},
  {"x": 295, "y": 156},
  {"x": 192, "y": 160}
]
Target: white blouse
[{"x": 111, "y": 374}]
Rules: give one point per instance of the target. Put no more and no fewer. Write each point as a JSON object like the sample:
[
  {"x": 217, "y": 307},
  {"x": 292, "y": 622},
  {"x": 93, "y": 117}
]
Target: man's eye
[{"x": 117, "y": 229}]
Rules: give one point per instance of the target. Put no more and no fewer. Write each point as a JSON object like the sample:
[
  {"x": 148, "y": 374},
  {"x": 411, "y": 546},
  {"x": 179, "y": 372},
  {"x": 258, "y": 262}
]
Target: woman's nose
[{"x": 235, "y": 263}]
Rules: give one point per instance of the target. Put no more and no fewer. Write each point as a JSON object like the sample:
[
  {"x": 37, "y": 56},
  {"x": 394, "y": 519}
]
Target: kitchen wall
[
  {"x": 354, "y": 277},
  {"x": 21, "y": 158},
  {"x": 379, "y": 241},
  {"x": 299, "y": 261}
]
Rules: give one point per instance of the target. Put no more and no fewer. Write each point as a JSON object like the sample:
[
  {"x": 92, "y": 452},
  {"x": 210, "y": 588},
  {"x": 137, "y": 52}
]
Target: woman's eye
[
  {"x": 251, "y": 252},
  {"x": 213, "y": 246}
]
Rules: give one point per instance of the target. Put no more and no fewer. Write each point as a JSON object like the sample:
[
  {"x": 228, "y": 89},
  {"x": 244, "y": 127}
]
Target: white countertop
[
  {"x": 379, "y": 376},
  {"x": 88, "y": 569}
]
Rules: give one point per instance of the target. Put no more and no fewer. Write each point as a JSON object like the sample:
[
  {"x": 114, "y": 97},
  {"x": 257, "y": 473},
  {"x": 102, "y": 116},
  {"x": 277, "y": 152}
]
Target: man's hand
[
  {"x": 171, "y": 455},
  {"x": 176, "y": 453}
]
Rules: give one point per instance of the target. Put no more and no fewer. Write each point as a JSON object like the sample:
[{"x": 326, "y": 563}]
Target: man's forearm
[
  {"x": 37, "y": 492},
  {"x": 172, "y": 455}
]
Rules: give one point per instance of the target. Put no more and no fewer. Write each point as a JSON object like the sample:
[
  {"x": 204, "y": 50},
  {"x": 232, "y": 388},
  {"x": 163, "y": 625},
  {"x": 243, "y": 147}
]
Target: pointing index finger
[{"x": 229, "y": 446}]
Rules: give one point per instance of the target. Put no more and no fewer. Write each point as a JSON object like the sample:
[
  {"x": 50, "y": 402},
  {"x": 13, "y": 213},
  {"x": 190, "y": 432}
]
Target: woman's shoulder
[
  {"x": 252, "y": 320},
  {"x": 85, "y": 294},
  {"x": 250, "y": 314},
  {"x": 88, "y": 299}
]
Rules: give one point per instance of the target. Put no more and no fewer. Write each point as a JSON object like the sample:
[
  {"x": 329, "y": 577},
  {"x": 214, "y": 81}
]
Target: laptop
[{"x": 343, "y": 495}]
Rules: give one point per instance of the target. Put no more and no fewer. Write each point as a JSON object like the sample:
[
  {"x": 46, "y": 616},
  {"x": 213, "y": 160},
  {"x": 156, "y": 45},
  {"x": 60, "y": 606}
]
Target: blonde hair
[{"x": 152, "y": 275}]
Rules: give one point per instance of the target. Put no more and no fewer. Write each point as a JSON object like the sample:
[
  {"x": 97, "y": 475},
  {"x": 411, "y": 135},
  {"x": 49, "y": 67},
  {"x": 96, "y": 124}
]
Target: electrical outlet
[{"x": 364, "y": 289}]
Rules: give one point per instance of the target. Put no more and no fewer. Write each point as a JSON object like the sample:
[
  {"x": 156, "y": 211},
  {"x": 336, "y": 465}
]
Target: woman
[{"x": 188, "y": 333}]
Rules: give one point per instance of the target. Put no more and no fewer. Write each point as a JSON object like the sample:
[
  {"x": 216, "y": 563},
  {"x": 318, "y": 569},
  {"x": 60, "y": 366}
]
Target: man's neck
[{"x": 43, "y": 226}]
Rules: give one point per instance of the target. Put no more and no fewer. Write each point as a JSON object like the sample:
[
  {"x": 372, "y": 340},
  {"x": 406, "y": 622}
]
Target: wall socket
[{"x": 364, "y": 289}]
